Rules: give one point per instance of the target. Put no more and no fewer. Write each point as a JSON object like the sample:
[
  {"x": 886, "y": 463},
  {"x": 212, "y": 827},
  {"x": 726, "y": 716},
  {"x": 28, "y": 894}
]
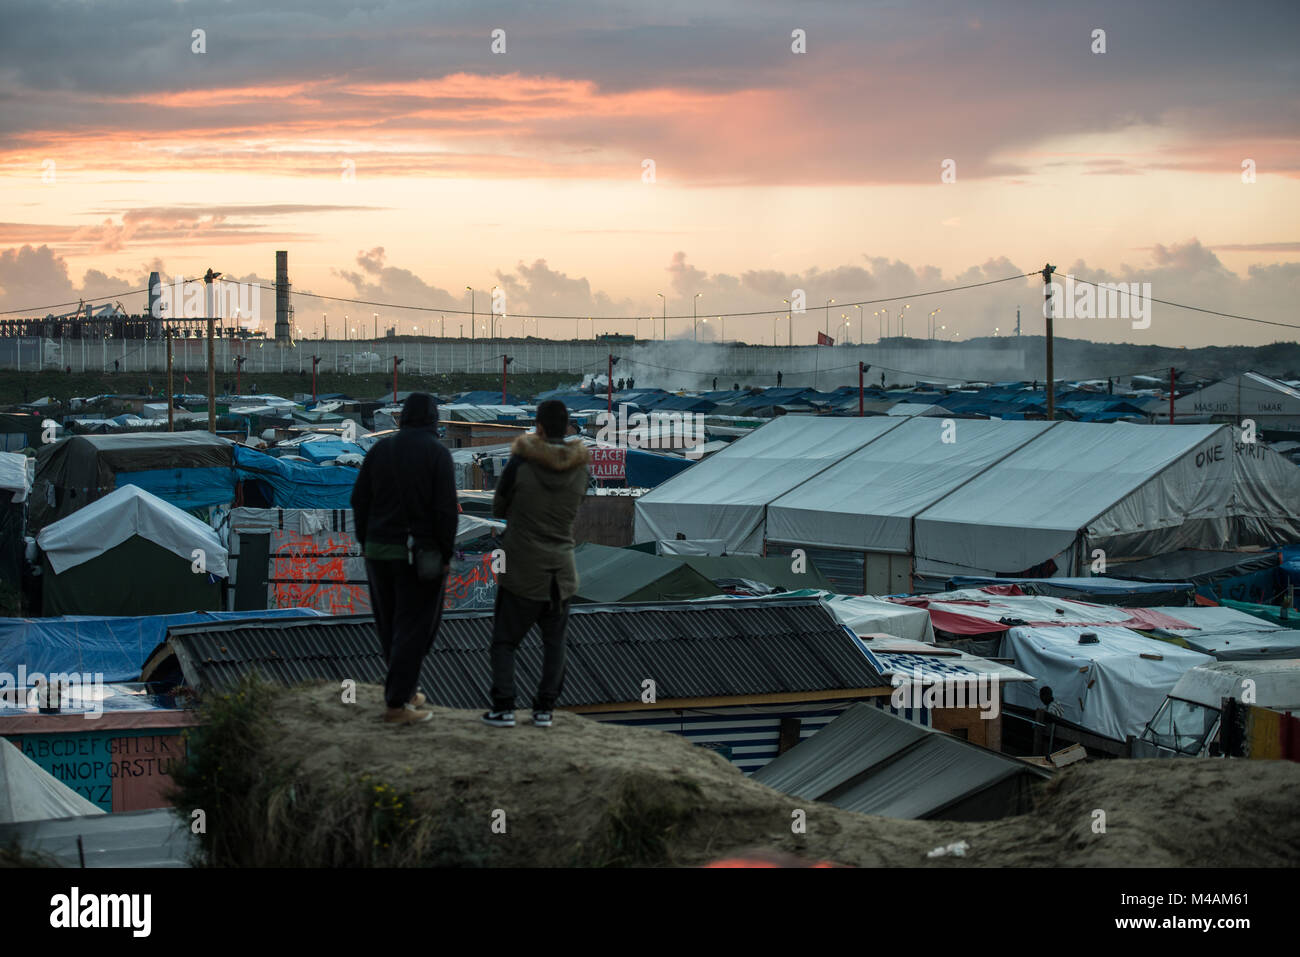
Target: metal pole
[
  {"x": 1048, "y": 269},
  {"x": 212, "y": 377},
  {"x": 1172, "y": 380},
  {"x": 171, "y": 417},
  {"x": 861, "y": 389}
]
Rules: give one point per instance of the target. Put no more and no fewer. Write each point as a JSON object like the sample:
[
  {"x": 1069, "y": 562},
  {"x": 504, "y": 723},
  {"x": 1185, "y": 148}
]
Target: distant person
[
  {"x": 631, "y": 382},
  {"x": 715, "y": 383},
  {"x": 404, "y": 505},
  {"x": 117, "y": 364},
  {"x": 778, "y": 378},
  {"x": 538, "y": 495},
  {"x": 735, "y": 387}
]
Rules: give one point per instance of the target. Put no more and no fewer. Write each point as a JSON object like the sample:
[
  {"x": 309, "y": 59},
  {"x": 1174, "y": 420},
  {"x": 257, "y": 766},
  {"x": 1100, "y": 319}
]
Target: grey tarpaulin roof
[
  {"x": 871, "y": 761},
  {"x": 625, "y": 574}
]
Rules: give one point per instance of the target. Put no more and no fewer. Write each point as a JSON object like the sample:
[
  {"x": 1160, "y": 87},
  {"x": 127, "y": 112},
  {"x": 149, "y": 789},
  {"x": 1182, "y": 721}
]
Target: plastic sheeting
[
  {"x": 117, "y": 648},
  {"x": 30, "y": 793},
  {"x": 184, "y": 488},
  {"x": 1232, "y": 635},
  {"x": 867, "y": 500},
  {"x": 726, "y": 495},
  {"x": 1108, "y": 688},
  {"x": 1173, "y": 482},
  {"x": 111, "y": 520},
  {"x": 16, "y": 475},
  {"x": 297, "y": 484}
]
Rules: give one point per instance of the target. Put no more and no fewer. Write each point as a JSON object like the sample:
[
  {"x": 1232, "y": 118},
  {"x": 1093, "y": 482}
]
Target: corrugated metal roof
[
  {"x": 869, "y": 761},
  {"x": 690, "y": 650}
]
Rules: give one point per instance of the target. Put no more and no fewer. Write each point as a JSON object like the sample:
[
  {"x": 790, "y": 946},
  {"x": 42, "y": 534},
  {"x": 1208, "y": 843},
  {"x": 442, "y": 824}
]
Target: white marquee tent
[{"x": 1005, "y": 497}]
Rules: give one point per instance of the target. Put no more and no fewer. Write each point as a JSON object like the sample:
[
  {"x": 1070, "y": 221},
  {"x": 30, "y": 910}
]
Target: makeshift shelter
[
  {"x": 608, "y": 574},
  {"x": 1109, "y": 686},
  {"x": 1241, "y": 576},
  {"x": 1233, "y": 635},
  {"x": 873, "y": 762},
  {"x": 115, "y": 647},
  {"x": 30, "y": 793},
  {"x": 187, "y": 469},
  {"x": 130, "y": 552},
  {"x": 15, "y": 485},
  {"x": 281, "y": 483}
]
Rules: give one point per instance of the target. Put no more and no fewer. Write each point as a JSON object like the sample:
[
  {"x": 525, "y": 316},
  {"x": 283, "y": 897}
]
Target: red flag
[
  {"x": 824, "y": 340},
  {"x": 187, "y": 380}
]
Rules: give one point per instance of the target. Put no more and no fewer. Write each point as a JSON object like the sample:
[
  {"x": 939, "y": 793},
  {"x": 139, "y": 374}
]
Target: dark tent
[
  {"x": 187, "y": 469},
  {"x": 135, "y": 577},
  {"x": 608, "y": 574}
]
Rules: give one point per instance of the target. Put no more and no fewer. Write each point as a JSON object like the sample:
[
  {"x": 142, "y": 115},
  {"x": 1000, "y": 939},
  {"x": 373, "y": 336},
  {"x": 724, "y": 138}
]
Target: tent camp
[
  {"x": 30, "y": 793},
  {"x": 608, "y": 574},
  {"x": 187, "y": 469},
  {"x": 1002, "y": 498},
  {"x": 129, "y": 553}
]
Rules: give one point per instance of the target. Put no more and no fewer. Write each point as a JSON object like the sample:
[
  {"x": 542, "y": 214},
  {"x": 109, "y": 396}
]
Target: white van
[{"x": 1186, "y": 725}]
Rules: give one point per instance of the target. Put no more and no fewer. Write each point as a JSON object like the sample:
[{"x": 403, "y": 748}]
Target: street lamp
[
  {"x": 881, "y": 315},
  {"x": 930, "y": 322},
  {"x": 695, "y": 322},
  {"x": 902, "y": 321},
  {"x": 789, "y": 326},
  {"x": 861, "y": 313},
  {"x": 665, "y": 299},
  {"x": 828, "y": 317},
  {"x": 471, "y": 312},
  {"x": 494, "y": 314}
]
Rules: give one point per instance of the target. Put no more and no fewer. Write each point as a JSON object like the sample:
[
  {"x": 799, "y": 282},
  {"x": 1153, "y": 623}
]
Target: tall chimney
[{"x": 282, "y": 331}]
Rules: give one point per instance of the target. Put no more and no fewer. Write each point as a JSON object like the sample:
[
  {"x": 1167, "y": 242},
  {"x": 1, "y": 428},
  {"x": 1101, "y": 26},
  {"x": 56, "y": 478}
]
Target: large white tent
[
  {"x": 726, "y": 495},
  {"x": 1005, "y": 497},
  {"x": 1081, "y": 486},
  {"x": 1271, "y": 404},
  {"x": 30, "y": 793}
]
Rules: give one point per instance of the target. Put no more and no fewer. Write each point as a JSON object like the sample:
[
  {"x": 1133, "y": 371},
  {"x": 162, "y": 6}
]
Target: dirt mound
[{"x": 301, "y": 778}]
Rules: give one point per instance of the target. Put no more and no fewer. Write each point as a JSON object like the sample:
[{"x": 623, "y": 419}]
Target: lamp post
[
  {"x": 828, "y": 317},
  {"x": 472, "y": 317},
  {"x": 695, "y": 322},
  {"x": 930, "y": 321},
  {"x": 902, "y": 321},
  {"x": 665, "y": 299},
  {"x": 494, "y": 316},
  {"x": 860, "y": 314},
  {"x": 881, "y": 315},
  {"x": 789, "y": 326}
]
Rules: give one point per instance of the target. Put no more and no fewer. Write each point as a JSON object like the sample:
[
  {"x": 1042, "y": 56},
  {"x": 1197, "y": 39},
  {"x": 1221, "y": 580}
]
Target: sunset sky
[{"x": 122, "y": 151}]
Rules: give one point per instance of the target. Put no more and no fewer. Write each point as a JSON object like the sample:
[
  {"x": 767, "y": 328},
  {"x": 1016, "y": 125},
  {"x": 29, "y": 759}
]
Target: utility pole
[
  {"x": 609, "y": 384},
  {"x": 396, "y": 362},
  {"x": 315, "y": 361},
  {"x": 171, "y": 395},
  {"x": 505, "y": 365},
  {"x": 1017, "y": 322},
  {"x": 1048, "y": 269},
  {"x": 1173, "y": 379},
  {"x": 212, "y": 355},
  {"x": 862, "y": 372}
]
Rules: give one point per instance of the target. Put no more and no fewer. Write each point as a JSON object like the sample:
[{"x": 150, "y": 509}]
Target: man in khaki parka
[{"x": 538, "y": 495}]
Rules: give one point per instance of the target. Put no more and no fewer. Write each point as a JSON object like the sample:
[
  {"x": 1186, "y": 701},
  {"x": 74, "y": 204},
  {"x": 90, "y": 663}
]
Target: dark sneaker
[
  {"x": 406, "y": 714},
  {"x": 499, "y": 719},
  {"x": 543, "y": 719}
]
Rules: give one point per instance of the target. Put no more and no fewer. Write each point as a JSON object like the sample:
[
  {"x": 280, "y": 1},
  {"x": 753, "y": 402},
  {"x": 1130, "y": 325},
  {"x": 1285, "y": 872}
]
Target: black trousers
[
  {"x": 407, "y": 613},
  {"x": 512, "y": 618}
]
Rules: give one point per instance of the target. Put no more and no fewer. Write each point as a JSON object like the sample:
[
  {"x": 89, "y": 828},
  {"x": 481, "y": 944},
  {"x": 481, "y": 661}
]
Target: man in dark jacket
[
  {"x": 538, "y": 495},
  {"x": 404, "y": 503}
]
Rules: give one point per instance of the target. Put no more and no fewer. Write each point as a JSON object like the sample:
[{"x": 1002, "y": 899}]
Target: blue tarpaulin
[
  {"x": 1107, "y": 591},
  {"x": 326, "y": 450},
  {"x": 114, "y": 647},
  {"x": 185, "y": 488},
  {"x": 296, "y": 484}
]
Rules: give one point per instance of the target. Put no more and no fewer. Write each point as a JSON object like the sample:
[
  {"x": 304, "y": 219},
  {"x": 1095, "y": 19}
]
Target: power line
[{"x": 1179, "y": 305}]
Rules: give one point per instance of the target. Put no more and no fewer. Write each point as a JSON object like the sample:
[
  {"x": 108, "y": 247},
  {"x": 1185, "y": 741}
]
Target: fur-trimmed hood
[{"x": 552, "y": 456}]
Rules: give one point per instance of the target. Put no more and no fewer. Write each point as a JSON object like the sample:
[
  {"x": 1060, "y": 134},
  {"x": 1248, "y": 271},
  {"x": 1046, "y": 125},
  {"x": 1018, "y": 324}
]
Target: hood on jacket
[
  {"x": 553, "y": 456},
  {"x": 420, "y": 410}
]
